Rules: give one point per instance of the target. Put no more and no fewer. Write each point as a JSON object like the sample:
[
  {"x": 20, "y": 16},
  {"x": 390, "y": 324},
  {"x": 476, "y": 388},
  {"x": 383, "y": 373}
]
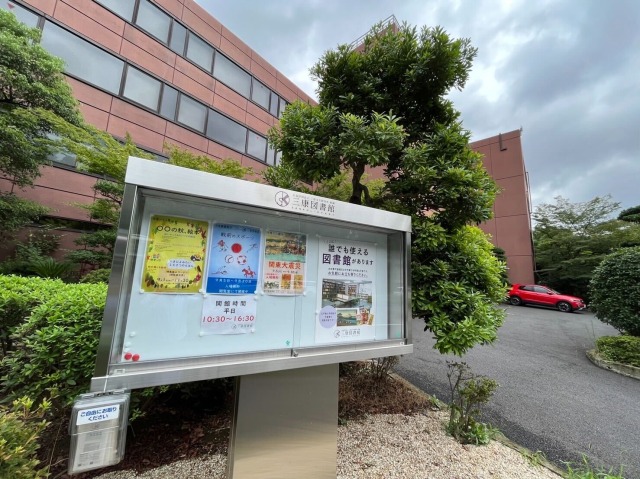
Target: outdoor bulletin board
[{"x": 215, "y": 276}]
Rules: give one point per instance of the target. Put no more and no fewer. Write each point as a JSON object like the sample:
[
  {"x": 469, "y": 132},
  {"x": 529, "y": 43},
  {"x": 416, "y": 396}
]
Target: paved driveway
[{"x": 551, "y": 397}]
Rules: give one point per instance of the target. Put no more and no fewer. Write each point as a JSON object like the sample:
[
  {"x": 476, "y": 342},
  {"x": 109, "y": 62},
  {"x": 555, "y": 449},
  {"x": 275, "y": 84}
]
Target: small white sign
[
  {"x": 98, "y": 414},
  {"x": 228, "y": 315}
]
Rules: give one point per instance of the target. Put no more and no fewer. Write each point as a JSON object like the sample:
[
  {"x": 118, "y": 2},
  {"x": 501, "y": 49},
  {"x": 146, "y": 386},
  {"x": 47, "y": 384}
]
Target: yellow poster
[{"x": 174, "y": 259}]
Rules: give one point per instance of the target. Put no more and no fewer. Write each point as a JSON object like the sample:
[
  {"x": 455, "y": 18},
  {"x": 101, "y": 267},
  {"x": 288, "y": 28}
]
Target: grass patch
[
  {"x": 587, "y": 471},
  {"x": 620, "y": 349}
]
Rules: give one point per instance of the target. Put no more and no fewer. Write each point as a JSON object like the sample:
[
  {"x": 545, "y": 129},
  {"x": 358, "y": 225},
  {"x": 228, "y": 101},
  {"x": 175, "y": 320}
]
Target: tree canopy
[
  {"x": 31, "y": 83},
  {"x": 571, "y": 239},
  {"x": 32, "y": 90},
  {"x": 579, "y": 218},
  {"x": 386, "y": 106},
  {"x": 631, "y": 215}
]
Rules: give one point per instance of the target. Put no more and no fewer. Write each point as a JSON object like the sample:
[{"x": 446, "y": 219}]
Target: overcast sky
[{"x": 566, "y": 72}]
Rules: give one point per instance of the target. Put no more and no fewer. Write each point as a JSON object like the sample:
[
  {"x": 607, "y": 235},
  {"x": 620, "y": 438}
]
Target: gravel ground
[{"x": 387, "y": 446}]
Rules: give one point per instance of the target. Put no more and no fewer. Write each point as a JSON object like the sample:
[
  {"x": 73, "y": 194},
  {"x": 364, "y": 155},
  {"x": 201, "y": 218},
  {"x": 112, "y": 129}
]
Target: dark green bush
[
  {"x": 97, "y": 276},
  {"x": 56, "y": 346},
  {"x": 615, "y": 290},
  {"x": 620, "y": 349},
  {"x": 18, "y": 296},
  {"x": 50, "y": 268}
]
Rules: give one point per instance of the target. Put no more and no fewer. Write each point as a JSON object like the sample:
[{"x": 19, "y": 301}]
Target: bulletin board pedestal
[{"x": 285, "y": 425}]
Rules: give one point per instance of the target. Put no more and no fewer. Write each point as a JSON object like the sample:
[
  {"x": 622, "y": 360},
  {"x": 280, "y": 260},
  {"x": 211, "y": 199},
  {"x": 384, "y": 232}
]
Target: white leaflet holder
[{"x": 98, "y": 430}]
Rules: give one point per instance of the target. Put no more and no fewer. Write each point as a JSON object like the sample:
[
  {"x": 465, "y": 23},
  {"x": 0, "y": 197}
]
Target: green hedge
[
  {"x": 620, "y": 349},
  {"x": 18, "y": 296},
  {"x": 55, "y": 346},
  {"x": 615, "y": 290}
]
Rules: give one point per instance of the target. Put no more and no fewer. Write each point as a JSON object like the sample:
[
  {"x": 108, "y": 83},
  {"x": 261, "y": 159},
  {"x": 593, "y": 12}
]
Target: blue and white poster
[{"x": 234, "y": 259}]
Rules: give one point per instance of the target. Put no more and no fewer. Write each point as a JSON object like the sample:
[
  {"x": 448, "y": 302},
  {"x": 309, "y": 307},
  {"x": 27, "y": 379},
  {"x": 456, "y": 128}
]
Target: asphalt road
[{"x": 551, "y": 398}]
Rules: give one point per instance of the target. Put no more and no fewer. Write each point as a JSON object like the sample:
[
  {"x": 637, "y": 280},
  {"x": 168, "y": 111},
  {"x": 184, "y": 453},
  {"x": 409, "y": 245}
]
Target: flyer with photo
[
  {"x": 234, "y": 259},
  {"x": 346, "y": 304},
  {"x": 175, "y": 255},
  {"x": 285, "y": 257}
]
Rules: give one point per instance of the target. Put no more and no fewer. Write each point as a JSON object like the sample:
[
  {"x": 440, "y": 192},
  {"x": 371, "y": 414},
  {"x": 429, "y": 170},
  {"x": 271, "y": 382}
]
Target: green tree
[
  {"x": 631, "y": 215},
  {"x": 99, "y": 153},
  {"x": 386, "y": 106},
  {"x": 571, "y": 239},
  {"x": 319, "y": 142},
  {"x": 456, "y": 278},
  {"x": 615, "y": 290},
  {"x": 32, "y": 89},
  {"x": 579, "y": 218}
]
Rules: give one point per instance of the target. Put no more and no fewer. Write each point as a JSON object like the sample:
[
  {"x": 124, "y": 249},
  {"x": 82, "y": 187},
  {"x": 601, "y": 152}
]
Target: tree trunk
[{"x": 356, "y": 187}]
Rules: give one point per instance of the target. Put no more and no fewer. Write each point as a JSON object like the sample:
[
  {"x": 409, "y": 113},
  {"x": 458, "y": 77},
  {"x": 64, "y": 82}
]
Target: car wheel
[
  {"x": 564, "y": 307},
  {"x": 514, "y": 300}
]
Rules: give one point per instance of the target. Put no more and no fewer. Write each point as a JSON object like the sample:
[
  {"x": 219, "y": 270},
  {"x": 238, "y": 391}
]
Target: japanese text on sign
[
  {"x": 228, "y": 315},
  {"x": 90, "y": 416},
  {"x": 175, "y": 255}
]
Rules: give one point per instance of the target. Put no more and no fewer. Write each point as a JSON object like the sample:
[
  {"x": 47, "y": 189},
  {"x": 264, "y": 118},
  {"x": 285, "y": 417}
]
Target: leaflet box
[{"x": 98, "y": 430}]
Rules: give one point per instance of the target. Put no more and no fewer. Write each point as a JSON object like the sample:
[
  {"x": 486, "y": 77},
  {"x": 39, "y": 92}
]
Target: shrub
[
  {"x": 621, "y": 349},
  {"x": 20, "y": 428},
  {"x": 381, "y": 367},
  {"x": 56, "y": 346},
  {"x": 18, "y": 296},
  {"x": 468, "y": 392},
  {"x": 97, "y": 276},
  {"x": 615, "y": 290},
  {"x": 50, "y": 268}
]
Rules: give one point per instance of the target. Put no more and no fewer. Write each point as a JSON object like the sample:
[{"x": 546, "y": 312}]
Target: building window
[
  {"x": 278, "y": 157},
  {"x": 142, "y": 88},
  {"x": 226, "y": 132},
  {"x": 169, "y": 102},
  {"x": 178, "y": 38},
  {"x": 83, "y": 59},
  {"x": 271, "y": 155},
  {"x": 283, "y": 105},
  {"x": 153, "y": 20},
  {"x": 170, "y": 32},
  {"x": 200, "y": 52},
  {"x": 25, "y": 16},
  {"x": 273, "y": 107},
  {"x": 256, "y": 145},
  {"x": 192, "y": 113},
  {"x": 124, "y": 8},
  {"x": 260, "y": 94},
  {"x": 232, "y": 75}
]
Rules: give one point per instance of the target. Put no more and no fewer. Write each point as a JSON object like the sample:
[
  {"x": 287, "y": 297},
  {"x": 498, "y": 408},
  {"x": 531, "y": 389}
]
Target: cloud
[{"x": 566, "y": 72}]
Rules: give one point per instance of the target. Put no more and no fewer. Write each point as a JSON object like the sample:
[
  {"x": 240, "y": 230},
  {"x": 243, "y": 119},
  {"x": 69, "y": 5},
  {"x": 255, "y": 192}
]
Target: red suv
[{"x": 522, "y": 294}]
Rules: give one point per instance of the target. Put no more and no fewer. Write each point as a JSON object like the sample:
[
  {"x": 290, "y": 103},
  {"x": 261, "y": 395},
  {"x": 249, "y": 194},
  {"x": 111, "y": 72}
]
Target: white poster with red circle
[{"x": 234, "y": 259}]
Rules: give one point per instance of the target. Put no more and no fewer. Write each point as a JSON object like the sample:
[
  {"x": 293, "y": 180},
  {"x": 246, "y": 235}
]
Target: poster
[
  {"x": 234, "y": 259},
  {"x": 285, "y": 257},
  {"x": 228, "y": 315},
  {"x": 175, "y": 254},
  {"x": 346, "y": 273}
]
